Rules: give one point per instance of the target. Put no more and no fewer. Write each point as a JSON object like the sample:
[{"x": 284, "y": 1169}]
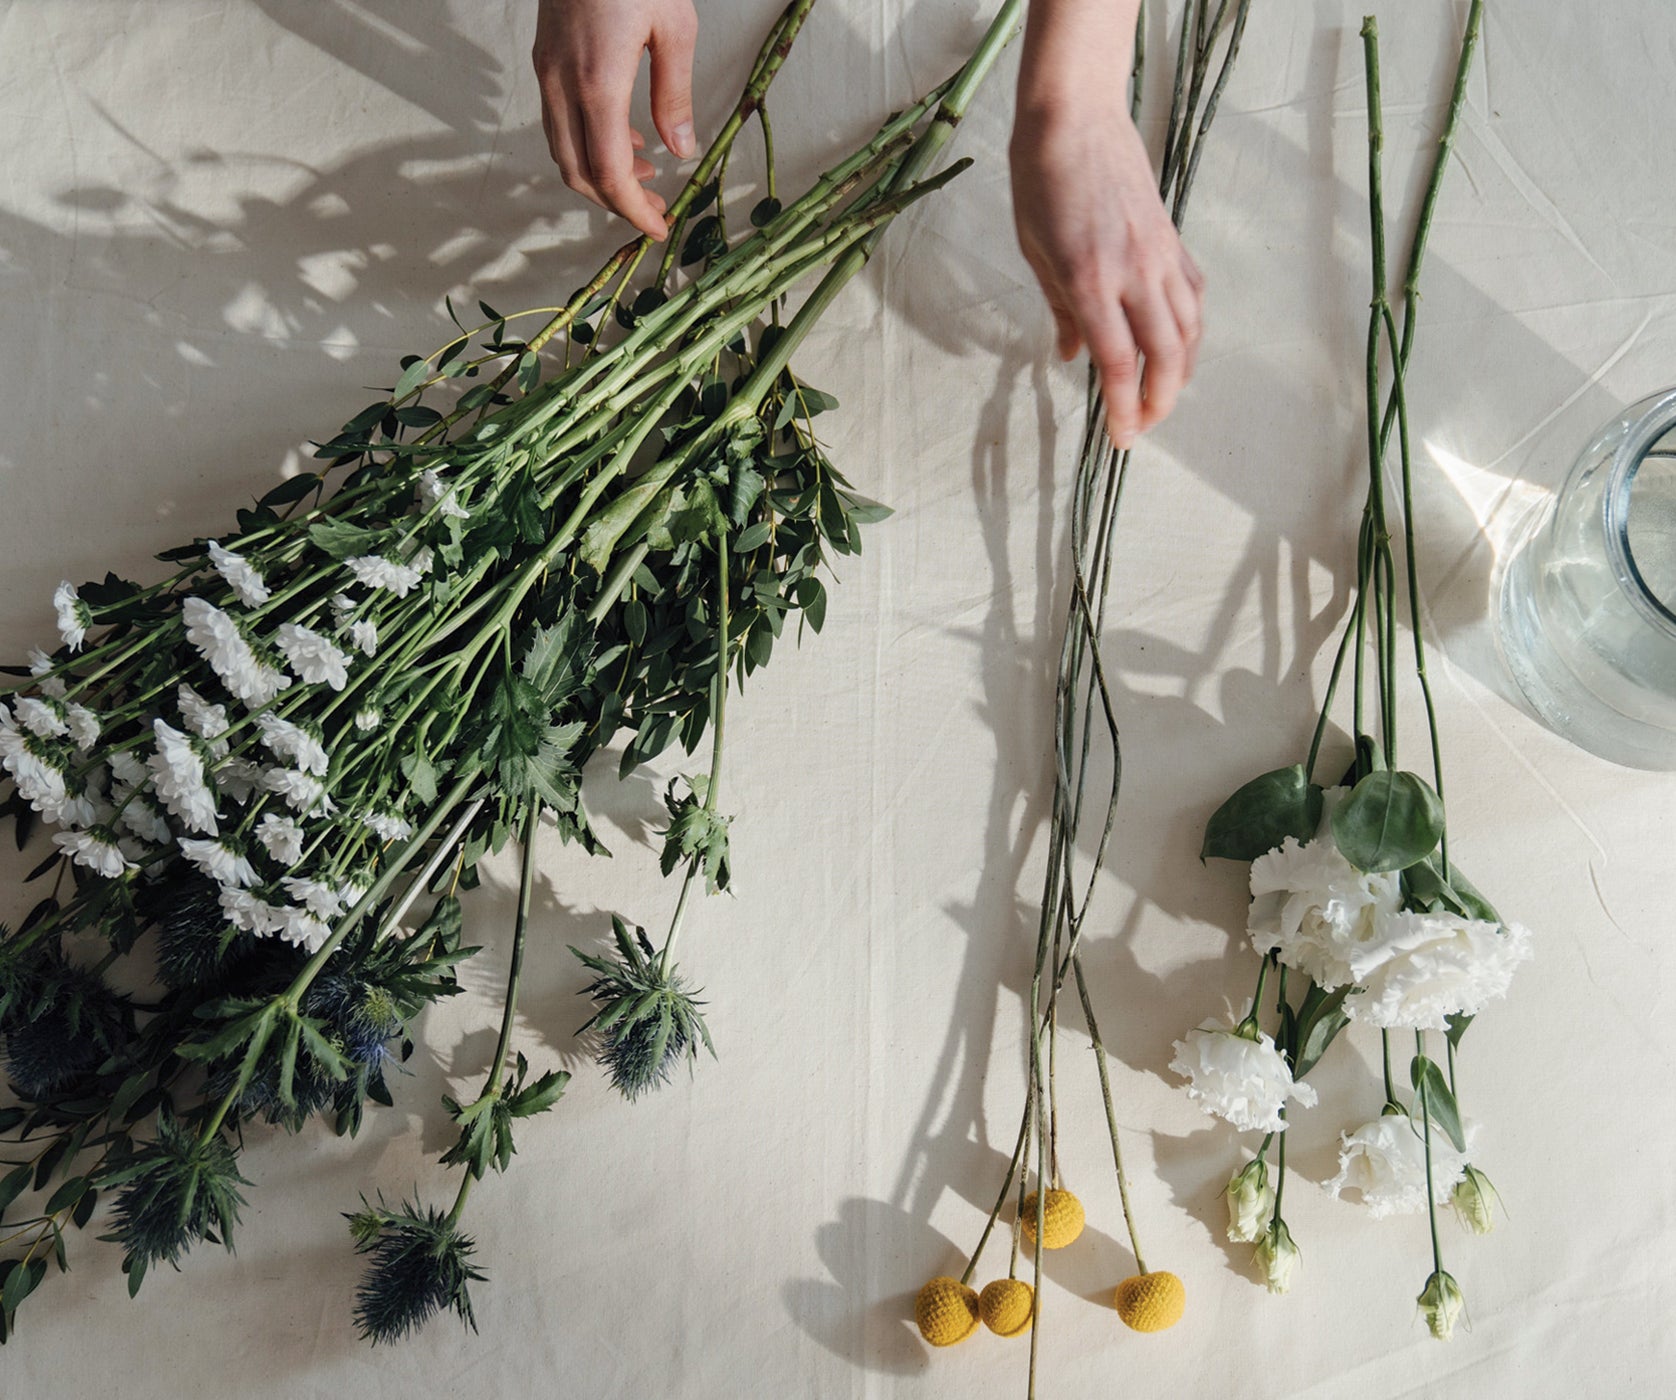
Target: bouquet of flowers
[
  {"x": 255, "y": 771},
  {"x": 1357, "y": 910}
]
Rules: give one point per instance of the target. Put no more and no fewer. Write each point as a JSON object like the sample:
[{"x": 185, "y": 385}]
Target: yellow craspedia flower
[
  {"x": 946, "y": 1312},
  {"x": 1062, "y": 1219},
  {"x": 1151, "y": 1302},
  {"x": 1007, "y": 1306}
]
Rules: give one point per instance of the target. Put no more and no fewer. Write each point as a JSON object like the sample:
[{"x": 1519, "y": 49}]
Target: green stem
[{"x": 1111, "y": 1113}]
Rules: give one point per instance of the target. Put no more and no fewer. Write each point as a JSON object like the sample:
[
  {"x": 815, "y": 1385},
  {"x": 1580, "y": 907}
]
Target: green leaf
[
  {"x": 341, "y": 541},
  {"x": 541, "y": 1095},
  {"x": 12, "y": 1186},
  {"x": 291, "y": 489},
  {"x": 634, "y": 620},
  {"x": 21, "y": 1282},
  {"x": 752, "y": 536},
  {"x": 765, "y": 212},
  {"x": 412, "y": 377},
  {"x": 811, "y": 597},
  {"x": 529, "y": 371},
  {"x": 1320, "y": 1018},
  {"x": 1262, "y": 813},
  {"x": 421, "y": 774},
  {"x": 66, "y": 1195},
  {"x": 1388, "y": 822},
  {"x": 1432, "y": 1090},
  {"x": 704, "y": 240}
]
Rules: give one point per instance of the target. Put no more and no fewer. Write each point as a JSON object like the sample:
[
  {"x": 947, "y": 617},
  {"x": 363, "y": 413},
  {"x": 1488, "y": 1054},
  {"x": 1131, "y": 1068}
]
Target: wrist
[{"x": 1076, "y": 52}]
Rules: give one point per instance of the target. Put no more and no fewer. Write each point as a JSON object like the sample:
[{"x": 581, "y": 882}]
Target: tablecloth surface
[{"x": 221, "y": 219}]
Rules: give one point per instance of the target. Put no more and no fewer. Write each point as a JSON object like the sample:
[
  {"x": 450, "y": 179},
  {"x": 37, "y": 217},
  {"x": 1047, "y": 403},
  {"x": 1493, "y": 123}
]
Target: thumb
[{"x": 671, "y": 45}]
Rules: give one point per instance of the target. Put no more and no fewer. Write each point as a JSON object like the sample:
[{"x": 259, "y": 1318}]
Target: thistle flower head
[
  {"x": 194, "y": 935},
  {"x": 418, "y": 1266},
  {"x": 174, "y": 1192},
  {"x": 60, "y": 1023},
  {"x": 647, "y": 1018}
]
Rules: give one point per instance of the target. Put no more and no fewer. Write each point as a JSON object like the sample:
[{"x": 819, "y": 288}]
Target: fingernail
[{"x": 684, "y": 144}]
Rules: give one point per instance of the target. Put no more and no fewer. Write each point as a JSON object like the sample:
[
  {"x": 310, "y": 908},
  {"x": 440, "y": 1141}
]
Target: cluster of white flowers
[
  {"x": 376, "y": 571},
  {"x": 241, "y": 577},
  {"x": 1343, "y": 927},
  {"x": 1236, "y": 1072},
  {"x": 435, "y": 495},
  {"x": 219, "y": 641}
]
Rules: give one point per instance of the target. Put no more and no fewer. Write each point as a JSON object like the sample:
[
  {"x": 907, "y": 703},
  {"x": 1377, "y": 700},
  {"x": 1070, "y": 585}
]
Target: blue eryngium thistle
[
  {"x": 174, "y": 1192},
  {"x": 647, "y": 1019},
  {"x": 418, "y": 1267}
]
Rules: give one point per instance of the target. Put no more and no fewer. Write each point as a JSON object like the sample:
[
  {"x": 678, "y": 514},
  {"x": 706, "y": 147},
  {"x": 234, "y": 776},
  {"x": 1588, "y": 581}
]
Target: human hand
[
  {"x": 1089, "y": 217},
  {"x": 587, "y": 53}
]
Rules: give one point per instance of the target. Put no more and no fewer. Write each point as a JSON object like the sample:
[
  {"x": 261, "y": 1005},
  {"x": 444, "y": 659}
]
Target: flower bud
[
  {"x": 1441, "y": 1302},
  {"x": 1474, "y": 1200},
  {"x": 1250, "y": 1202},
  {"x": 1277, "y": 1257}
]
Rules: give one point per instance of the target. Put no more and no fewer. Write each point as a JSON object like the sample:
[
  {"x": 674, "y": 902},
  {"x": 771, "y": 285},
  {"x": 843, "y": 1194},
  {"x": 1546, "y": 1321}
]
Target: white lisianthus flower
[
  {"x": 281, "y": 838},
  {"x": 74, "y": 616},
  {"x": 312, "y": 657},
  {"x": 84, "y": 726},
  {"x": 375, "y": 571},
  {"x": 240, "y": 574},
  {"x": 302, "y": 792},
  {"x": 319, "y": 898},
  {"x": 387, "y": 826},
  {"x": 1318, "y": 912},
  {"x": 96, "y": 849},
  {"x": 177, "y": 777},
  {"x": 1250, "y": 1202},
  {"x": 205, "y": 720},
  {"x": 434, "y": 494},
  {"x": 288, "y": 740},
  {"x": 42, "y": 718},
  {"x": 1236, "y": 1077},
  {"x": 1441, "y": 1303},
  {"x": 369, "y": 719},
  {"x": 144, "y": 820},
  {"x": 1277, "y": 1256},
  {"x": 1385, "y": 1161},
  {"x": 1438, "y": 966},
  {"x": 217, "y": 639},
  {"x": 222, "y": 864}
]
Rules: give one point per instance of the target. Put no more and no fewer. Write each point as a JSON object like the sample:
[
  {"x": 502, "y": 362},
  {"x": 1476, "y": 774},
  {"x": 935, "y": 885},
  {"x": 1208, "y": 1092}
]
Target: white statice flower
[
  {"x": 241, "y": 575},
  {"x": 237, "y": 778},
  {"x": 1318, "y": 912},
  {"x": 219, "y": 861},
  {"x": 434, "y": 493},
  {"x": 288, "y": 740},
  {"x": 1438, "y": 966},
  {"x": 363, "y": 635},
  {"x": 96, "y": 849},
  {"x": 205, "y": 720},
  {"x": 74, "y": 616},
  {"x": 319, "y": 898},
  {"x": 42, "y": 718},
  {"x": 1243, "y": 1080},
  {"x": 177, "y": 777},
  {"x": 84, "y": 726},
  {"x": 387, "y": 826},
  {"x": 312, "y": 656},
  {"x": 137, "y": 814},
  {"x": 218, "y": 640},
  {"x": 375, "y": 571},
  {"x": 1385, "y": 1161},
  {"x": 281, "y": 838},
  {"x": 368, "y": 719},
  {"x": 302, "y": 792},
  {"x": 128, "y": 768}
]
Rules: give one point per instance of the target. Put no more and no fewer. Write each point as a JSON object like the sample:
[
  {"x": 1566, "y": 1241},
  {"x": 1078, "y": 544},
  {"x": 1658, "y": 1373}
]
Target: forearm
[{"x": 1071, "y": 43}]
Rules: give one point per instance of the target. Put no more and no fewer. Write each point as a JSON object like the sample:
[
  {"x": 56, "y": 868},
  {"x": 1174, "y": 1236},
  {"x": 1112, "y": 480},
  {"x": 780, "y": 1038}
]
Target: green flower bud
[
  {"x": 1250, "y": 1202},
  {"x": 1474, "y": 1200},
  {"x": 1277, "y": 1257},
  {"x": 1442, "y": 1303}
]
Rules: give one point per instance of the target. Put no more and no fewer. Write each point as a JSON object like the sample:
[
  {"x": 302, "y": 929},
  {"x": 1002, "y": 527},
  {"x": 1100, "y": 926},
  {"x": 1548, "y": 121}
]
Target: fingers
[
  {"x": 1186, "y": 301},
  {"x": 1112, "y": 348},
  {"x": 1152, "y": 321},
  {"x": 611, "y": 161},
  {"x": 671, "y": 46}
]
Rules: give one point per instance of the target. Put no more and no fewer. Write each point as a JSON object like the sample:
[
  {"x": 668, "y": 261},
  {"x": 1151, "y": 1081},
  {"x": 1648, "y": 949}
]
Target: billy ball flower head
[{"x": 1240, "y": 1077}]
